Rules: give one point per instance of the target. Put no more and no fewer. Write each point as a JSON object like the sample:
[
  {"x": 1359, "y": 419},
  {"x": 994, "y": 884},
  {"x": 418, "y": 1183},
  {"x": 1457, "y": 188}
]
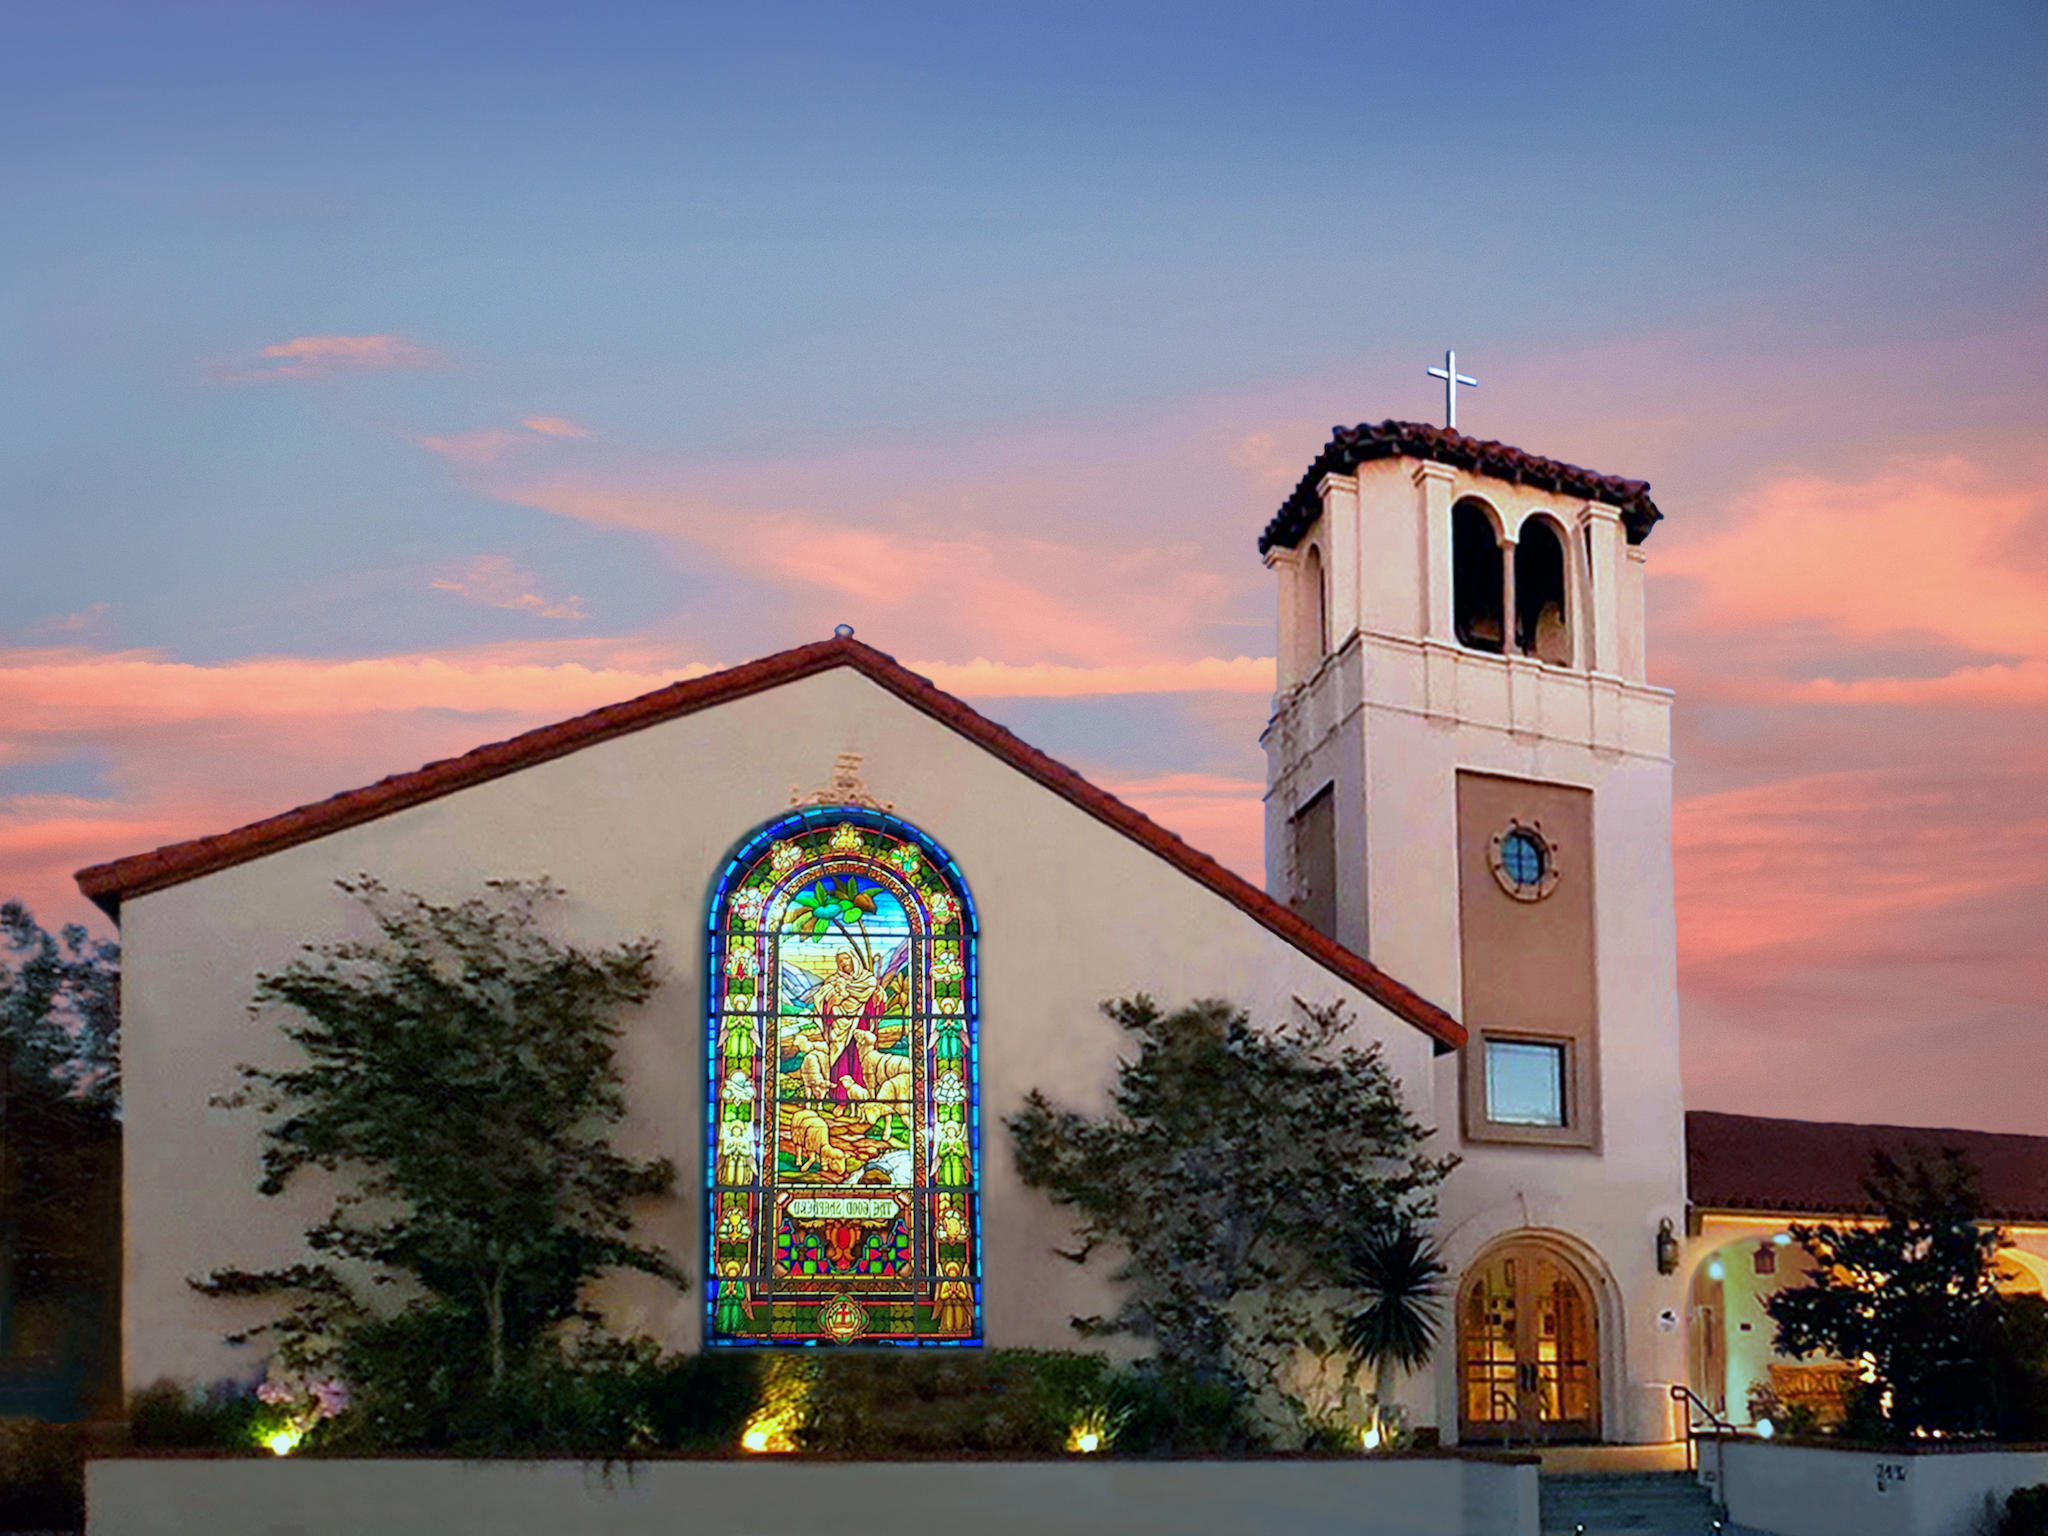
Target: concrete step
[{"x": 1627, "y": 1504}]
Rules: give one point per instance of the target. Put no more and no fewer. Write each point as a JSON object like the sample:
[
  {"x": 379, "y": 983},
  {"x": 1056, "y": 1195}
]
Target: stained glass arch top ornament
[{"x": 843, "y": 1156}]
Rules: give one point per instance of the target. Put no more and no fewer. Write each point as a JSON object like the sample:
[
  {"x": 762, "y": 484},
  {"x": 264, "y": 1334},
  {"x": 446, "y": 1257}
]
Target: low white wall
[
  {"x": 1420, "y": 1496},
  {"x": 1802, "y": 1490}
]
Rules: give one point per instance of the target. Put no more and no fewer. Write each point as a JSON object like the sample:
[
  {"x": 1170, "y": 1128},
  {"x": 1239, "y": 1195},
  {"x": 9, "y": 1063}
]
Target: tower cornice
[{"x": 1350, "y": 447}]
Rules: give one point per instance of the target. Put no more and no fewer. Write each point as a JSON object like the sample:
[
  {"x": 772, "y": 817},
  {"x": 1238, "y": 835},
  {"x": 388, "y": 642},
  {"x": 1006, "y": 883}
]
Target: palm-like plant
[{"x": 1399, "y": 1272}]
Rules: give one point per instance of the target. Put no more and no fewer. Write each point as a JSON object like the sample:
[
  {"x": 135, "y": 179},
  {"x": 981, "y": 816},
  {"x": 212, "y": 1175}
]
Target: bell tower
[{"x": 1469, "y": 783}]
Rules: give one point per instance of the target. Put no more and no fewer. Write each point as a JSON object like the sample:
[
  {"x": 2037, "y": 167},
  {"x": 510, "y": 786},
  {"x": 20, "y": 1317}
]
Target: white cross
[{"x": 1452, "y": 379}]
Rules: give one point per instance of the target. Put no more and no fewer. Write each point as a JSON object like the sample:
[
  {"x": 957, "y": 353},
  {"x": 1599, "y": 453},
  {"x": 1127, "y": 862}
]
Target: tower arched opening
[
  {"x": 1542, "y": 602},
  {"x": 1478, "y": 577},
  {"x": 1316, "y": 582}
]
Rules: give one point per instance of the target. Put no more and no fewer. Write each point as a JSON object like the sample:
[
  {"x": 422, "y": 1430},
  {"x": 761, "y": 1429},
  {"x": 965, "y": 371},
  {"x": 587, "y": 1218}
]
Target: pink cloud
[
  {"x": 486, "y": 445},
  {"x": 980, "y": 679},
  {"x": 1225, "y": 818},
  {"x": 88, "y": 617},
  {"x": 1029, "y": 600},
  {"x": 54, "y": 692},
  {"x": 1993, "y": 687},
  {"x": 1798, "y": 861},
  {"x": 1864, "y": 943},
  {"x": 554, "y": 426},
  {"x": 480, "y": 447},
  {"x": 1924, "y": 547},
  {"x": 319, "y": 357},
  {"x": 494, "y": 580}
]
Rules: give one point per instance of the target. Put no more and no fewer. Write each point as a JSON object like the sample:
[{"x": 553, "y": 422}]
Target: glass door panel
[{"x": 1527, "y": 1351}]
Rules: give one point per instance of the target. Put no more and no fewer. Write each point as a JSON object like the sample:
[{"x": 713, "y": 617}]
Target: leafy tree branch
[
  {"x": 458, "y": 1071},
  {"x": 1237, "y": 1172}
]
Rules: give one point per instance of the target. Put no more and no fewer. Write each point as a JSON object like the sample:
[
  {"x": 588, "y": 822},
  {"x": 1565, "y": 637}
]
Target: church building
[{"x": 883, "y": 920}]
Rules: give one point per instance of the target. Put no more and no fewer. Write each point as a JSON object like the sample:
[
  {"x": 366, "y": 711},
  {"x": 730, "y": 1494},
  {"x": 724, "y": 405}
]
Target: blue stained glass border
[{"x": 742, "y": 861}]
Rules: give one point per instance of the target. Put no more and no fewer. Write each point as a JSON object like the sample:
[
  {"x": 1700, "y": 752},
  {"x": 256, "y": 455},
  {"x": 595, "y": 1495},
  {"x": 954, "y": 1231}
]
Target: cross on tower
[{"x": 1452, "y": 379}]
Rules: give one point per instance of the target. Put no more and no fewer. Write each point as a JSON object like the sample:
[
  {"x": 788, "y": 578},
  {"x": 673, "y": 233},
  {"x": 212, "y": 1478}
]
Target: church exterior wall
[{"x": 637, "y": 829}]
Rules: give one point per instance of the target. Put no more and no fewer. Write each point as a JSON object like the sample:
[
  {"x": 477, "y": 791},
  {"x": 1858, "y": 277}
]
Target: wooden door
[{"x": 1527, "y": 1350}]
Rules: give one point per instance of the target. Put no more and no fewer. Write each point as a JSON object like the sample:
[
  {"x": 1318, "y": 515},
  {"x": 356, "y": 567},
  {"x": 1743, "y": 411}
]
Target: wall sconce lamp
[{"x": 1667, "y": 1248}]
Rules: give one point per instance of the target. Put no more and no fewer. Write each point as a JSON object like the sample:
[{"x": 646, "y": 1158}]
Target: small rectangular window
[{"x": 1525, "y": 1082}]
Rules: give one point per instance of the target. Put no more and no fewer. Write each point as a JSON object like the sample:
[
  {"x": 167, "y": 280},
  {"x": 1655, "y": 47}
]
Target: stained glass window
[{"x": 844, "y": 1156}]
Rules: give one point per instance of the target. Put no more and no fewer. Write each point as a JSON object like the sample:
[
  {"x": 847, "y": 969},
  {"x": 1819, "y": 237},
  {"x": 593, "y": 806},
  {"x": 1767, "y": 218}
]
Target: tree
[
  {"x": 60, "y": 1011},
  {"x": 1399, "y": 1272},
  {"x": 460, "y": 1070},
  {"x": 1914, "y": 1297},
  {"x": 1237, "y": 1168}
]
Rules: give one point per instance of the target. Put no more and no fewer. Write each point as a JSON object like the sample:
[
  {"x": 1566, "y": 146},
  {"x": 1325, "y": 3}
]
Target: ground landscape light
[{"x": 1765, "y": 1429}]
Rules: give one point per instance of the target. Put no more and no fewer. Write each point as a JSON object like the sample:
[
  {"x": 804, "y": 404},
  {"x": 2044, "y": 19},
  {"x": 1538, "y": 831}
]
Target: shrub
[
  {"x": 222, "y": 1417},
  {"x": 2026, "y": 1512},
  {"x": 1016, "y": 1402},
  {"x": 949, "y": 1401},
  {"x": 597, "y": 1396},
  {"x": 1168, "y": 1411},
  {"x": 2019, "y": 1374}
]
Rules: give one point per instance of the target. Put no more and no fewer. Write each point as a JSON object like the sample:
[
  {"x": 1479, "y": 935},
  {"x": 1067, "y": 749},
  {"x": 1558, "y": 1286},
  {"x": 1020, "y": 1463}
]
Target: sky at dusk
[{"x": 381, "y": 380}]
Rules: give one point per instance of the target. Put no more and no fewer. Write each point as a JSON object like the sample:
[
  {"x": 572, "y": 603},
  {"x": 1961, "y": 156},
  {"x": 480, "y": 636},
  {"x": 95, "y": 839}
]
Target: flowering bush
[{"x": 294, "y": 1407}]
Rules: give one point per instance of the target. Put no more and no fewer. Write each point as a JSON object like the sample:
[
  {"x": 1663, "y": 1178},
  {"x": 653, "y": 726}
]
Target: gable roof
[
  {"x": 1750, "y": 1163},
  {"x": 108, "y": 884},
  {"x": 1350, "y": 447}
]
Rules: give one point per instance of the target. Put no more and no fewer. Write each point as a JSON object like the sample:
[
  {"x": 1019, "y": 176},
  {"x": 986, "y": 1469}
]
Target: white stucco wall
[
  {"x": 1811, "y": 1490},
  {"x": 637, "y": 829},
  {"x": 1405, "y": 1496}
]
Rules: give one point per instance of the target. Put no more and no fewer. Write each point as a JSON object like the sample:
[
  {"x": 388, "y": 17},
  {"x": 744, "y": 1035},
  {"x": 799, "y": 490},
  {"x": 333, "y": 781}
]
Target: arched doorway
[{"x": 1528, "y": 1348}]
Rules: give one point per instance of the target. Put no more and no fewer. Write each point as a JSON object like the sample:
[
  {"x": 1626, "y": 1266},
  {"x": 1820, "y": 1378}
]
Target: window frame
[{"x": 1581, "y": 1120}]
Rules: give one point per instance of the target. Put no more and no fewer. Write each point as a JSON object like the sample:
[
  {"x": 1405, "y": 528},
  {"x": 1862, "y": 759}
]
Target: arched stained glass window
[{"x": 844, "y": 1157}]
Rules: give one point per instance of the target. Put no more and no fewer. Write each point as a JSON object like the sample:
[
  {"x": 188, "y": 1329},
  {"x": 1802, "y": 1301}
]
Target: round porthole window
[{"x": 1524, "y": 861}]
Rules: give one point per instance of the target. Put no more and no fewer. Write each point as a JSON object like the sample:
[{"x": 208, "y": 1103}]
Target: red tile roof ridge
[
  {"x": 1351, "y": 446},
  {"x": 107, "y": 884}
]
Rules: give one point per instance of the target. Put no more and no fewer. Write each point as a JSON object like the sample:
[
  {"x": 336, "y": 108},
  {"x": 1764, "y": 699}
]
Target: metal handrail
[
  {"x": 1507, "y": 1423},
  {"x": 1722, "y": 1430}
]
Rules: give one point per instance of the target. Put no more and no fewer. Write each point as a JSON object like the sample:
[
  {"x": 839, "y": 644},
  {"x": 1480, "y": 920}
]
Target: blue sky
[{"x": 383, "y": 379}]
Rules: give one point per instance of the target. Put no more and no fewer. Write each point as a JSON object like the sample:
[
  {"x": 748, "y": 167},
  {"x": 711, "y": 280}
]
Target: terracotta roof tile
[
  {"x": 1350, "y": 447},
  {"x": 1750, "y": 1163},
  {"x": 108, "y": 883}
]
